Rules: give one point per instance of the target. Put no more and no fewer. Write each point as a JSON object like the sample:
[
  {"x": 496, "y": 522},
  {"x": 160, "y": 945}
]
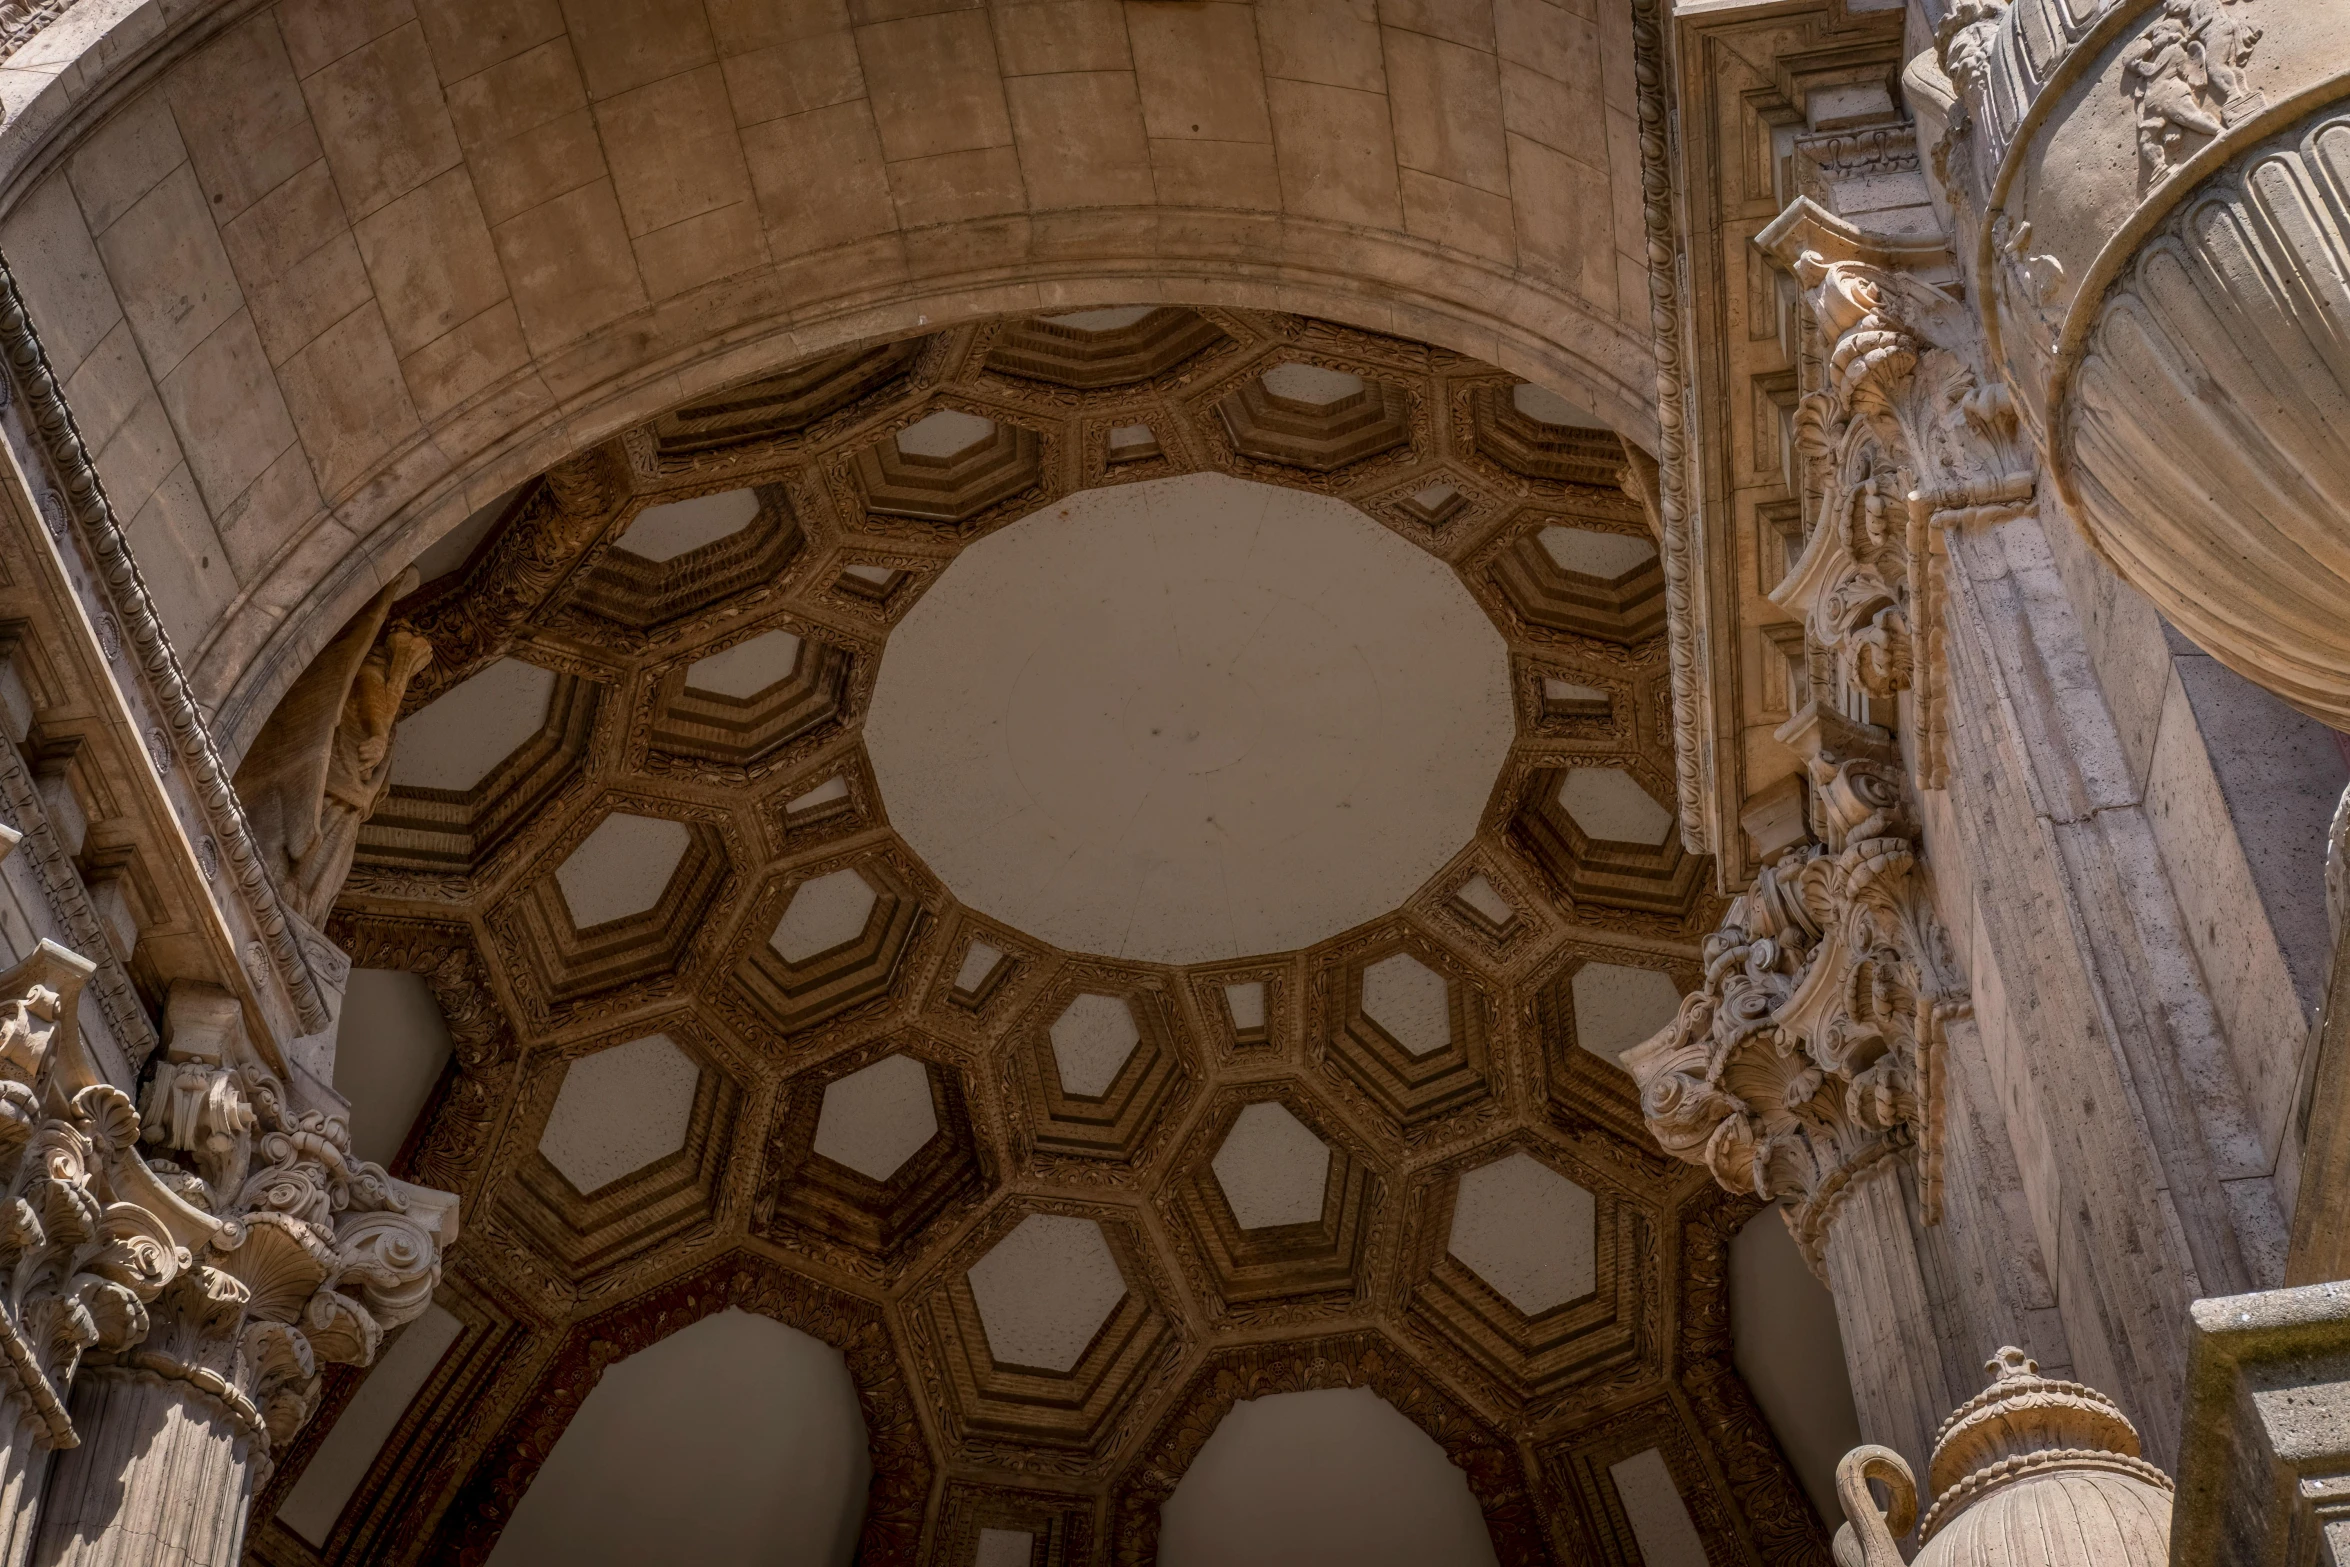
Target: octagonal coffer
[
  {"x": 1088, "y": 350},
  {"x": 825, "y": 942},
  {"x": 1570, "y": 576},
  {"x": 632, "y": 1152},
  {"x": 1045, "y": 1290},
  {"x": 758, "y": 416},
  {"x": 1095, "y": 1073},
  {"x": 1272, "y": 1169},
  {"x": 1535, "y": 1277},
  {"x": 1044, "y": 1329},
  {"x": 1408, "y": 1034},
  {"x": 871, "y": 1155},
  {"x": 756, "y": 701},
  {"x": 619, "y": 1110},
  {"x": 1536, "y": 434},
  {"x": 476, "y": 763},
  {"x": 624, "y": 904},
  {"x": 674, "y": 558},
  {"x": 1311, "y": 417},
  {"x": 1526, "y": 1230},
  {"x": 1277, "y": 1210},
  {"x": 1603, "y": 838},
  {"x": 951, "y": 467}
]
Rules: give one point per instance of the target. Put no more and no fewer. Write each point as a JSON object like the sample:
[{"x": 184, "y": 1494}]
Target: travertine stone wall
[{"x": 328, "y": 276}]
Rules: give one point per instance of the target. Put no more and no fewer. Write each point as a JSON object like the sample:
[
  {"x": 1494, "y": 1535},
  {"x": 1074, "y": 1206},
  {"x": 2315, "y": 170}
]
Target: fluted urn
[
  {"x": 2164, "y": 249},
  {"x": 2030, "y": 1472}
]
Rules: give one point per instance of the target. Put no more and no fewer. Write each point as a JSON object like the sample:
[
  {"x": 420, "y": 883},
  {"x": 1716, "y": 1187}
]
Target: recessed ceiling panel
[{"x": 1190, "y": 719}]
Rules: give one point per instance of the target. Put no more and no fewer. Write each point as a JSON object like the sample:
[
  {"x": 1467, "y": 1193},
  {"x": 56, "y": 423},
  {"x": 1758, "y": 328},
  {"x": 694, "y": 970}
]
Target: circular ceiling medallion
[{"x": 1191, "y": 719}]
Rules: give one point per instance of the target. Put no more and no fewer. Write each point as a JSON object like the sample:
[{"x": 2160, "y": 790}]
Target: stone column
[
  {"x": 305, "y": 1257},
  {"x": 1809, "y": 1068}
]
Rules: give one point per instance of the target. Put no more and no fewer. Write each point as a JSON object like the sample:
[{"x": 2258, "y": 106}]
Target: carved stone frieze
[{"x": 1813, "y": 1049}]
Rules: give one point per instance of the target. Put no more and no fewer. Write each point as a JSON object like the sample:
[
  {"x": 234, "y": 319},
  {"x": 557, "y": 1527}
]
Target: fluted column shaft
[
  {"x": 163, "y": 1478},
  {"x": 1892, "y": 1351}
]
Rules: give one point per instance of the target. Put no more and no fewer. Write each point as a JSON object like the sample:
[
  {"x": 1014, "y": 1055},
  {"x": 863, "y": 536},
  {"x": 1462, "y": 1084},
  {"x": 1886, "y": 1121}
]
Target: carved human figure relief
[
  {"x": 2186, "y": 73},
  {"x": 321, "y": 765}
]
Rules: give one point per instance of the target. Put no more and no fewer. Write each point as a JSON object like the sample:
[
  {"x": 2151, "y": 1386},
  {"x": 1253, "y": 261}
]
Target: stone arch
[
  {"x": 902, "y": 1464},
  {"x": 423, "y": 263},
  {"x": 1496, "y": 1475}
]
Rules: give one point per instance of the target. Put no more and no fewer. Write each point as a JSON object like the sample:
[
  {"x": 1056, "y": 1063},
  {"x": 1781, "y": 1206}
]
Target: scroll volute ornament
[
  {"x": 2030, "y": 1472},
  {"x": 314, "y": 1254},
  {"x": 88, "y": 1240},
  {"x": 1814, "y": 1047}
]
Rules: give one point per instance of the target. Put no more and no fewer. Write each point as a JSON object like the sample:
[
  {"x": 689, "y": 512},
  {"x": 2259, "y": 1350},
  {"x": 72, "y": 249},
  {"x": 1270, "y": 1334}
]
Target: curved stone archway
[{"x": 322, "y": 281}]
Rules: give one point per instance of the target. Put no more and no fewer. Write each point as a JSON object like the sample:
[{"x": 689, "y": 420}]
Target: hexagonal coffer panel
[
  {"x": 1603, "y": 838},
  {"x": 1302, "y": 416},
  {"x": 1585, "y": 581},
  {"x": 764, "y": 698},
  {"x": 869, "y": 1153},
  {"x": 952, "y": 468},
  {"x": 632, "y": 1152},
  {"x": 476, "y": 763},
  {"x": 757, "y": 418},
  {"x": 677, "y": 557},
  {"x": 1043, "y": 1331},
  {"x": 1587, "y": 1013},
  {"x": 1088, "y": 350},
  {"x": 826, "y": 942},
  {"x": 1536, "y": 434},
  {"x": 1277, "y": 1214},
  {"x": 1534, "y": 1276},
  {"x": 624, "y": 904},
  {"x": 1408, "y": 1033},
  {"x": 1094, "y": 1072}
]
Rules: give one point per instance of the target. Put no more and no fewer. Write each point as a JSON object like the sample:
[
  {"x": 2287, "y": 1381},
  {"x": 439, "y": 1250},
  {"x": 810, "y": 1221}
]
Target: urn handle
[{"x": 1867, "y": 1539}]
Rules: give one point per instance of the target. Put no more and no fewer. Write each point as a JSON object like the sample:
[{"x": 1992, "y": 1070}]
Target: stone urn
[
  {"x": 2030, "y": 1472},
  {"x": 2165, "y": 190}
]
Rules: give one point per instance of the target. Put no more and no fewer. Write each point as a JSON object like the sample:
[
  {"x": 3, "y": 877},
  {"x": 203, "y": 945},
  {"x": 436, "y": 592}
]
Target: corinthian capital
[
  {"x": 1813, "y": 1049},
  {"x": 313, "y": 1255}
]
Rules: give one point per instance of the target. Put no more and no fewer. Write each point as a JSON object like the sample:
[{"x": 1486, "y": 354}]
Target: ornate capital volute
[
  {"x": 85, "y": 1245},
  {"x": 1813, "y": 1048},
  {"x": 314, "y": 1255}
]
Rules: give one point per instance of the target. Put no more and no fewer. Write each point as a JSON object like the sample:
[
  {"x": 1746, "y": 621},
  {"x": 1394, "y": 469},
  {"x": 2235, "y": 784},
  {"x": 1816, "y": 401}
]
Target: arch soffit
[{"x": 570, "y": 394}]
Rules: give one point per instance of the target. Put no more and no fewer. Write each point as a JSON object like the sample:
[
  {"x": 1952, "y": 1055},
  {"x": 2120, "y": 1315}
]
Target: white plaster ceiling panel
[
  {"x": 979, "y": 961},
  {"x": 1596, "y": 554},
  {"x": 1660, "y": 1520},
  {"x": 748, "y": 667},
  {"x": 1408, "y": 999},
  {"x": 734, "y": 1442},
  {"x": 662, "y": 533},
  {"x": 621, "y": 868},
  {"x": 1479, "y": 893},
  {"x": 1545, "y": 406},
  {"x": 830, "y": 792},
  {"x": 1528, "y": 1231},
  {"x": 1190, "y": 719},
  {"x": 1271, "y": 1168},
  {"x": 1246, "y": 1002},
  {"x": 1337, "y": 1477},
  {"x": 1608, "y": 802},
  {"x": 946, "y": 433},
  {"x": 1092, "y": 1038},
  {"x": 1044, "y": 1290},
  {"x": 823, "y": 913},
  {"x": 1557, "y": 690},
  {"x": 454, "y": 741},
  {"x": 875, "y": 1119},
  {"x": 1006, "y": 1547},
  {"x": 1617, "y": 1006},
  {"x": 1304, "y": 383},
  {"x": 620, "y": 1110}
]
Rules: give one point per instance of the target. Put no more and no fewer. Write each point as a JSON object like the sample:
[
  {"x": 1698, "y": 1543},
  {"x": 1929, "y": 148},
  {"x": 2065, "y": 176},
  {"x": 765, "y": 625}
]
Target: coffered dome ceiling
[{"x": 1101, "y": 866}]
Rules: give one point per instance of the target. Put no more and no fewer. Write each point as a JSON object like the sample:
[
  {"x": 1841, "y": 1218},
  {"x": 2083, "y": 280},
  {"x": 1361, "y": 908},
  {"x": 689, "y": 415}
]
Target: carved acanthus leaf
[{"x": 1813, "y": 1047}]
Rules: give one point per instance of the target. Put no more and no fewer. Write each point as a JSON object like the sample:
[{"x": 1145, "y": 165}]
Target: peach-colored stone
[
  {"x": 1336, "y": 158},
  {"x": 382, "y": 119},
  {"x": 1081, "y": 141},
  {"x": 673, "y": 149},
  {"x": 569, "y": 264},
  {"x": 934, "y": 84}
]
